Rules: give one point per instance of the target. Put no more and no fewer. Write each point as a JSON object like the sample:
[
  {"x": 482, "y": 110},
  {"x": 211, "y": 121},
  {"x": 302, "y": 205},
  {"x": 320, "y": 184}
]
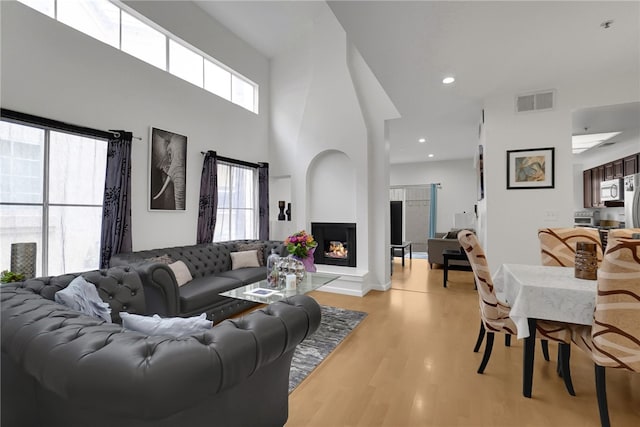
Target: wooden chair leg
[
  {"x": 507, "y": 340},
  {"x": 564, "y": 353},
  {"x": 601, "y": 391},
  {"x": 480, "y": 338},
  {"x": 487, "y": 352},
  {"x": 545, "y": 350}
]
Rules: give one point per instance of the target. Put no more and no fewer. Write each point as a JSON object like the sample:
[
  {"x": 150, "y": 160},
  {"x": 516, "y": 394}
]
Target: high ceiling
[{"x": 490, "y": 47}]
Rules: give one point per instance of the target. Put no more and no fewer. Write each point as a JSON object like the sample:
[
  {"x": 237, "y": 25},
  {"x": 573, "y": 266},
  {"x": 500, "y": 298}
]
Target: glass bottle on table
[{"x": 272, "y": 268}]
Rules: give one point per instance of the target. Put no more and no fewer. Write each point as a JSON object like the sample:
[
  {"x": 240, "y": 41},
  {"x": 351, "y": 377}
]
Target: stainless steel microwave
[{"x": 611, "y": 190}]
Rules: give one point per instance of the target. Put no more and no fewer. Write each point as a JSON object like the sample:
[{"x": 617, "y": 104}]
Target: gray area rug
[{"x": 335, "y": 325}]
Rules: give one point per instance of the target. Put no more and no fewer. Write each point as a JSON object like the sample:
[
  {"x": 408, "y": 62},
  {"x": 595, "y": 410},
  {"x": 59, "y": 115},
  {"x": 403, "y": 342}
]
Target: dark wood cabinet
[
  {"x": 630, "y": 165},
  {"x": 608, "y": 171},
  {"x": 586, "y": 188},
  {"x": 591, "y": 178},
  {"x": 618, "y": 169}
]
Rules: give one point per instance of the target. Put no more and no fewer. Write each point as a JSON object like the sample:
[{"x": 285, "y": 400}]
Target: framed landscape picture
[
  {"x": 167, "y": 170},
  {"x": 530, "y": 168}
]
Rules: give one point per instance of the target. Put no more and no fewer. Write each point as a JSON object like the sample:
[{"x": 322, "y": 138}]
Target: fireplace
[{"x": 336, "y": 243}]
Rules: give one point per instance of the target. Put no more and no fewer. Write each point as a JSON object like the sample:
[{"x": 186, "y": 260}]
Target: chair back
[
  {"x": 623, "y": 232},
  {"x": 558, "y": 245},
  {"x": 616, "y": 327},
  {"x": 495, "y": 315}
]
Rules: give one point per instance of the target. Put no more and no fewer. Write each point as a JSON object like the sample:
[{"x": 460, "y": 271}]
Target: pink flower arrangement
[{"x": 300, "y": 244}]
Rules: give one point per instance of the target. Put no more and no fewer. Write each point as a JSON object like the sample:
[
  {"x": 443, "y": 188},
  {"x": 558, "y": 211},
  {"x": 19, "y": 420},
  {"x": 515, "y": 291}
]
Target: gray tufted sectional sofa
[
  {"x": 210, "y": 266},
  {"x": 63, "y": 368}
]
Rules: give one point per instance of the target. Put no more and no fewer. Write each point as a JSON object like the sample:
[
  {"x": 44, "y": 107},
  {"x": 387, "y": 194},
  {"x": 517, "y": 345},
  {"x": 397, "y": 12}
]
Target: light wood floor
[{"x": 411, "y": 363}]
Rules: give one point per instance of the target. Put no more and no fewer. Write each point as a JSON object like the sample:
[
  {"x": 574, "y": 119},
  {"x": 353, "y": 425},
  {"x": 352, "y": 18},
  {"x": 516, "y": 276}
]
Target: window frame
[{"x": 48, "y": 126}]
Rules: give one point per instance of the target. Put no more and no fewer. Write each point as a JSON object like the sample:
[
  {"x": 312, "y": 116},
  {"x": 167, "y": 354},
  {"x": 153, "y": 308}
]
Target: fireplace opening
[{"x": 336, "y": 243}]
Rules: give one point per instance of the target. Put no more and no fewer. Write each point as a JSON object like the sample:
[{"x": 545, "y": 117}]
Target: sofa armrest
[{"x": 161, "y": 291}]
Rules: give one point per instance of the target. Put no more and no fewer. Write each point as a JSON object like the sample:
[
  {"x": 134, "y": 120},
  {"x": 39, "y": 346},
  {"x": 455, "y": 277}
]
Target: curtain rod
[
  {"x": 236, "y": 161},
  {"x": 56, "y": 124}
]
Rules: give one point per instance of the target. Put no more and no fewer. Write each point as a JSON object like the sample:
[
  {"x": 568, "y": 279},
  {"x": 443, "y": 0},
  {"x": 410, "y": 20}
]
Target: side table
[{"x": 448, "y": 255}]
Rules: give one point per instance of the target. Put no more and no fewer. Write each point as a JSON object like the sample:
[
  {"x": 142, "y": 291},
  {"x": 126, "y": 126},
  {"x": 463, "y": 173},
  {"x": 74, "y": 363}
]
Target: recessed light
[
  {"x": 422, "y": 140},
  {"x": 448, "y": 80},
  {"x": 430, "y": 155}
]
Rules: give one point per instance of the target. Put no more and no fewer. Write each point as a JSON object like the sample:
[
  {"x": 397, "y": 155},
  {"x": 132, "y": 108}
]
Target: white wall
[
  {"x": 51, "y": 70},
  {"x": 513, "y": 216},
  {"x": 458, "y": 192},
  {"x": 317, "y": 115}
]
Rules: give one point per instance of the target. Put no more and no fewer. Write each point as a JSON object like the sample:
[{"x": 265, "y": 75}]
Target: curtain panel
[
  {"x": 208, "y": 202},
  {"x": 116, "y": 210},
  {"x": 263, "y": 201}
]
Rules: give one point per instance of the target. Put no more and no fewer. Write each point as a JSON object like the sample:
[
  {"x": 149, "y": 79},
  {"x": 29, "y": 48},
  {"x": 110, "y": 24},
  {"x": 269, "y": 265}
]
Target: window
[
  {"x": 185, "y": 63},
  {"x": 51, "y": 192},
  {"x": 120, "y": 26},
  {"x": 237, "y": 215},
  {"x": 98, "y": 19},
  {"x": 143, "y": 42}
]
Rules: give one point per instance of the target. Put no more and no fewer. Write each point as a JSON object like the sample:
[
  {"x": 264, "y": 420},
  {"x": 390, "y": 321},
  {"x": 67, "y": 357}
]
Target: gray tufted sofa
[
  {"x": 210, "y": 266},
  {"x": 62, "y": 368}
]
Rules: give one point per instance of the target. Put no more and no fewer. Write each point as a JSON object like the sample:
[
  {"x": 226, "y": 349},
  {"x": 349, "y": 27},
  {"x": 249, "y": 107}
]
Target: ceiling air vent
[{"x": 535, "y": 101}]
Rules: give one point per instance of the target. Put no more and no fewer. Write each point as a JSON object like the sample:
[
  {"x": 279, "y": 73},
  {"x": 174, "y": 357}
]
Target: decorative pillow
[
  {"x": 244, "y": 259},
  {"x": 240, "y": 247},
  {"x": 163, "y": 259},
  {"x": 170, "y": 326},
  {"x": 181, "y": 271},
  {"x": 82, "y": 296}
]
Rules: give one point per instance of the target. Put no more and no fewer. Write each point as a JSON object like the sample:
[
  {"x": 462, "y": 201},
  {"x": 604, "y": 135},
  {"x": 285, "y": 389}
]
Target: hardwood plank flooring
[{"x": 411, "y": 363}]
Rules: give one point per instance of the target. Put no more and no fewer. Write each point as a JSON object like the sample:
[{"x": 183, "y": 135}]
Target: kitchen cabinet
[
  {"x": 591, "y": 178},
  {"x": 630, "y": 165},
  {"x": 586, "y": 188},
  {"x": 608, "y": 171},
  {"x": 618, "y": 168}
]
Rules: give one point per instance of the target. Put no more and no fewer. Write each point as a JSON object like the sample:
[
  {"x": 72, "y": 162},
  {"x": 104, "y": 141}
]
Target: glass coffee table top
[{"x": 262, "y": 293}]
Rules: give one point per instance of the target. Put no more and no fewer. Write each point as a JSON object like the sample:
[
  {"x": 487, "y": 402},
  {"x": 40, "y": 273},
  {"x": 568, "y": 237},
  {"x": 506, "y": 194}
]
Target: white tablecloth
[{"x": 549, "y": 293}]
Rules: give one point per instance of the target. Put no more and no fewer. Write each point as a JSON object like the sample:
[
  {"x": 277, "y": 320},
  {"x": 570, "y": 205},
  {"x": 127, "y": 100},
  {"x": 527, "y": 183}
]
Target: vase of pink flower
[{"x": 301, "y": 246}]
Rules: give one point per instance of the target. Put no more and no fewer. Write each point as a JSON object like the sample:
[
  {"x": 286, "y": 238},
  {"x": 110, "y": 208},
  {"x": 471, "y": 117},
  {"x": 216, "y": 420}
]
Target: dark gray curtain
[
  {"x": 116, "y": 209},
  {"x": 208, "y": 205},
  {"x": 263, "y": 201}
]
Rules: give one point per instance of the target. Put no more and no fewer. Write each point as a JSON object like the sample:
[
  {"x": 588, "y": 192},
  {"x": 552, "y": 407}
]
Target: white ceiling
[{"x": 490, "y": 47}]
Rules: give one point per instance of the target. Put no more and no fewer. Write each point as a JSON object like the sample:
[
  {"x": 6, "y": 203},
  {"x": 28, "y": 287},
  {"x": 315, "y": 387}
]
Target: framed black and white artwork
[{"x": 167, "y": 170}]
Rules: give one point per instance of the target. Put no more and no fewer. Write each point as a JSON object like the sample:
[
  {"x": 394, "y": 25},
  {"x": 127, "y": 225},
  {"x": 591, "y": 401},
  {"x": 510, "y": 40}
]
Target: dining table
[{"x": 547, "y": 293}]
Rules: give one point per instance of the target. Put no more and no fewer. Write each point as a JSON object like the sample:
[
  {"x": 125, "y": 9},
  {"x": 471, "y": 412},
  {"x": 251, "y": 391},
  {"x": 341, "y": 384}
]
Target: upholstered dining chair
[
  {"x": 494, "y": 314},
  {"x": 558, "y": 245},
  {"x": 623, "y": 232},
  {"x": 613, "y": 340}
]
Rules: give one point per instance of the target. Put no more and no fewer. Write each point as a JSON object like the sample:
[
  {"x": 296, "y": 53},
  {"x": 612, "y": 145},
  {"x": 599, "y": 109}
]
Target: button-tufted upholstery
[
  {"x": 63, "y": 368},
  {"x": 210, "y": 266}
]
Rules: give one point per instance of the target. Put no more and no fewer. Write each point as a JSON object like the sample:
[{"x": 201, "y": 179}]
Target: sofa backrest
[
  {"x": 202, "y": 259},
  {"x": 120, "y": 287}
]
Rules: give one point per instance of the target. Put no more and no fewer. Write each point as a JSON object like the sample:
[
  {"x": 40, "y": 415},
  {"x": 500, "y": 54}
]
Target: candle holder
[
  {"x": 23, "y": 259},
  {"x": 586, "y": 261}
]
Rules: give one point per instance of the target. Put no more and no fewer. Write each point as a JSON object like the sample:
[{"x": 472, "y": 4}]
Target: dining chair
[
  {"x": 494, "y": 313},
  {"x": 623, "y": 232},
  {"x": 558, "y": 245},
  {"x": 613, "y": 340}
]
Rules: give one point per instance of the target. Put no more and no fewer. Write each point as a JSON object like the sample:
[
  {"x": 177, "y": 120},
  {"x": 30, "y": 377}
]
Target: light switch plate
[{"x": 551, "y": 216}]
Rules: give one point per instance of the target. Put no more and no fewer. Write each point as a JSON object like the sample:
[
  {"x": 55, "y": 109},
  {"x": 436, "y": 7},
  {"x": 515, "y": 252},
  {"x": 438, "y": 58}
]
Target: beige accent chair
[
  {"x": 494, "y": 314},
  {"x": 613, "y": 341},
  {"x": 558, "y": 245}
]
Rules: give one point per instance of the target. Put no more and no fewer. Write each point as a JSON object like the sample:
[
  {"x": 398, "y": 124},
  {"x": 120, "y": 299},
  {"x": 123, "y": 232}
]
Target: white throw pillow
[
  {"x": 181, "y": 271},
  {"x": 244, "y": 259},
  {"x": 82, "y": 296},
  {"x": 170, "y": 326}
]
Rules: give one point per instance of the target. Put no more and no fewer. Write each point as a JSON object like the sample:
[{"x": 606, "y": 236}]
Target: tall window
[
  {"x": 237, "y": 215},
  {"x": 51, "y": 190}
]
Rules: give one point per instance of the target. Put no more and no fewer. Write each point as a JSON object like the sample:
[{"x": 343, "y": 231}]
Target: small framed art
[{"x": 530, "y": 168}]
